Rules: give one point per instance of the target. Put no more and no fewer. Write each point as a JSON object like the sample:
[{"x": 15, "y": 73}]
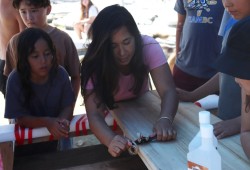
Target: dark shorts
[
  {"x": 186, "y": 81},
  {"x": 3, "y": 78}
]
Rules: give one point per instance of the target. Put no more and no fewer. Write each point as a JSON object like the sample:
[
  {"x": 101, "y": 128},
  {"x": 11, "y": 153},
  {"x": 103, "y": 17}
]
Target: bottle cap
[
  {"x": 206, "y": 131},
  {"x": 204, "y": 117}
]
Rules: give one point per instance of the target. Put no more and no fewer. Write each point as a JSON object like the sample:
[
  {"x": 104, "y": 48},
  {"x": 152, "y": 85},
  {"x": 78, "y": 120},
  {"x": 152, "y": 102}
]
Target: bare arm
[
  {"x": 165, "y": 87},
  {"x": 96, "y": 120},
  {"x": 75, "y": 82},
  {"x": 210, "y": 87},
  {"x": 179, "y": 29},
  {"x": 245, "y": 126},
  {"x": 115, "y": 143},
  {"x": 89, "y": 20},
  {"x": 58, "y": 127},
  {"x": 33, "y": 122},
  {"x": 67, "y": 113}
]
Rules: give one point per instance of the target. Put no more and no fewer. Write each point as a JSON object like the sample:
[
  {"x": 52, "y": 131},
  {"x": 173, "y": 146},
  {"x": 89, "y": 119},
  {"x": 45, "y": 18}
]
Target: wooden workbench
[{"x": 140, "y": 114}]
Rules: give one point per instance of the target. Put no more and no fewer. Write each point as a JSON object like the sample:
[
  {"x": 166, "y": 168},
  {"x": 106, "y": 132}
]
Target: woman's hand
[
  {"x": 118, "y": 145},
  {"x": 58, "y": 127},
  {"x": 164, "y": 130}
]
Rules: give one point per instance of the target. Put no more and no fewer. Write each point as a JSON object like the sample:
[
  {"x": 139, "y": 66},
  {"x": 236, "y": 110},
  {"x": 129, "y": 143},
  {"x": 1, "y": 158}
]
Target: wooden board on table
[
  {"x": 6, "y": 156},
  {"x": 140, "y": 114}
]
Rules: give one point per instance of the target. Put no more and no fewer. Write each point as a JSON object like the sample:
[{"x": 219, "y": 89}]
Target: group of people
[
  {"x": 117, "y": 64},
  {"x": 223, "y": 72}
]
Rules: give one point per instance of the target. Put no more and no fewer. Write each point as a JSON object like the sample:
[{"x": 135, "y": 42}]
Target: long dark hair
[
  {"x": 85, "y": 10},
  {"x": 99, "y": 64},
  {"x": 25, "y": 46}
]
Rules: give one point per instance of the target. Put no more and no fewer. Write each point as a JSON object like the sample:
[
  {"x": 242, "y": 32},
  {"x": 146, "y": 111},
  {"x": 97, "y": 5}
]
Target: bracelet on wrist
[{"x": 165, "y": 117}]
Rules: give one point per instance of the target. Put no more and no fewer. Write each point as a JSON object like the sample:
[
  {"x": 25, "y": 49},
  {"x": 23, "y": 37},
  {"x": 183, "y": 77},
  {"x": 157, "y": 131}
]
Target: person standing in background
[
  {"x": 235, "y": 61},
  {"x": 229, "y": 106},
  {"x": 10, "y": 24},
  {"x": 34, "y": 15},
  {"x": 88, "y": 13},
  {"x": 197, "y": 42}
]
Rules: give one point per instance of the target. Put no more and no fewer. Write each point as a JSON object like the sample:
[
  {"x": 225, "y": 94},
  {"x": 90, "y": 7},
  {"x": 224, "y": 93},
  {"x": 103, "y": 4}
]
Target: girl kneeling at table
[
  {"x": 116, "y": 67},
  {"x": 39, "y": 93}
]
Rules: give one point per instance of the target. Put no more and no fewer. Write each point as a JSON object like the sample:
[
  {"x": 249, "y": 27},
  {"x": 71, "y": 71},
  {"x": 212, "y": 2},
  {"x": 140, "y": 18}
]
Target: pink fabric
[{"x": 153, "y": 58}]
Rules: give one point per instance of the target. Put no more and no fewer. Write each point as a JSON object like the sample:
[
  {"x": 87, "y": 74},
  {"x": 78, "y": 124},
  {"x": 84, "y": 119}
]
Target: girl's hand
[
  {"x": 58, "y": 128},
  {"x": 226, "y": 128},
  {"x": 65, "y": 124},
  {"x": 118, "y": 145},
  {"x": 164, "y": 130}
]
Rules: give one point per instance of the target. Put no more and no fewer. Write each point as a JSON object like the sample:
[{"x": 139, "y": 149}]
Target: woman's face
[
  {"x": 244, "y": 84},
  {"x": 123, "y": 46},
  {"x": 85, "y": 3},
  {"x": 40, "y": 61},
  {"x": 238, "y": 9}
]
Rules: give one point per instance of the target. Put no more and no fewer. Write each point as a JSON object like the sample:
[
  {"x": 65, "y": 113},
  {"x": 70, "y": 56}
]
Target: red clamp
[
  {"x": 82, "y": 120},
  {"x": 197, "y": 104},
  {"x": 106, "y": 112},
  {"x": 20, "y": 137}
]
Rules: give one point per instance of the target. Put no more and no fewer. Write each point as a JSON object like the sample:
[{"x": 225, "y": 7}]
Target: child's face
[
  {"x": 34, "y": 16},
  {"x": 244, "y": 84},
  {"x": 238, "y": 9},
  {"x": 40, "y": 61}
]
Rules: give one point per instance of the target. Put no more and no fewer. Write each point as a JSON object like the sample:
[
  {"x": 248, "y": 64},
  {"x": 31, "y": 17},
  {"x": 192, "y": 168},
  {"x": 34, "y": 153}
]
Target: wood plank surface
[
  {"x": 95, "y": 157},
  {"x": 7, "y": 157},
  {"x": 140, "y": 114},
  {"x": 124, "y": 163}
]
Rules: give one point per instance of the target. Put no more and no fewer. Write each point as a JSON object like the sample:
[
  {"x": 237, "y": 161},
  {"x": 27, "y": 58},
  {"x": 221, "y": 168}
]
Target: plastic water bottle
[
  {"x": 205, "y": 156},
  {"x": 204, "y": 118}
]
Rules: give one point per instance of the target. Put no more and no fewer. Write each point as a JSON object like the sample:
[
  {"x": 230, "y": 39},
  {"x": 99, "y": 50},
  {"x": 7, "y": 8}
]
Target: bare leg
[{"x": 79, "y": 28}]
